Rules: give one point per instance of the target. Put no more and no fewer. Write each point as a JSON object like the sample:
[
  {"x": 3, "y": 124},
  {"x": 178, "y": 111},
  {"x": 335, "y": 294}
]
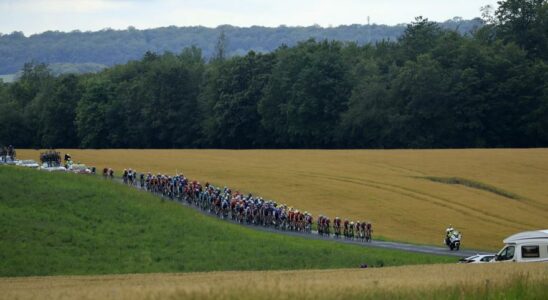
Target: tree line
[
  {"x": 432, "y": 88},
  {"x": 108, "y": 47}
]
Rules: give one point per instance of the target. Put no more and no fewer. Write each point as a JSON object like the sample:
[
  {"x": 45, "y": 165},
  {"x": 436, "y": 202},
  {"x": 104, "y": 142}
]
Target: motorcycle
[{"x": 453, "y": 240}]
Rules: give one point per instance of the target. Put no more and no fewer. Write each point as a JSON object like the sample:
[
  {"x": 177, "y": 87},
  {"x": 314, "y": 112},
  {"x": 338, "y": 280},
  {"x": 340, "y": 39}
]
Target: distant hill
[
  {"x": 57, "y": 69},
  {"x": 75, "y": 68},
  {"x": 108, "y": 47}
]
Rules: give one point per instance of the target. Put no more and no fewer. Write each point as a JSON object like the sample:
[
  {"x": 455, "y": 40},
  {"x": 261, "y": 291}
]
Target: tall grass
[
  {"x": 488, "y": 281},
  {"x": 516, "y": 288}
]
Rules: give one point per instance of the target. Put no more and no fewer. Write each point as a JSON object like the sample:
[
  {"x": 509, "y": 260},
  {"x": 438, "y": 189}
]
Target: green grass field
[{"x": 67, "y": 224}]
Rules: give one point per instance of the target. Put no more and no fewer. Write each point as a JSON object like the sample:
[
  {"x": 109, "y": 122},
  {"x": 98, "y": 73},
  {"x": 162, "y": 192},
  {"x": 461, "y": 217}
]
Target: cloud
[
  {"x": 33, "y": 16},
  {"x": 65, "y": 6}
]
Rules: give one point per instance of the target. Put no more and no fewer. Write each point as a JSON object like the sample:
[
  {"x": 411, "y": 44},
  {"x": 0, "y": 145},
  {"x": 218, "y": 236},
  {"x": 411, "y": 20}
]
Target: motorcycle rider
[
  {"x": 448, "y": 233},
  {"x": 453, "y": 238}
]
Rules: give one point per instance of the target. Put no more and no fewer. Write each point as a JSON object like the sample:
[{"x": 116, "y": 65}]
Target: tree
[
  {"x": 421, "y": 90},
  {"x": 171, "y": 87},
  {"x": 307, "y": 92},
  {"x": 525, "y": 22},
  {"x": 419, "y": 38},
  {"x": 92, "y": 123},
  {"x": 57, "y": 128},
  {"x": 221, "y": 47},
  {"x": 13, "y": 129},
  {"x": 365, "y": 123},
  {"x": 233, "y": 120},
  {"x": 31, "y": 93}
]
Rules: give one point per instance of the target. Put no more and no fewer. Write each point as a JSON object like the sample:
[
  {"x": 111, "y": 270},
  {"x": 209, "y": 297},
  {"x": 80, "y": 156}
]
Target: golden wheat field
[
  {"x": 429, "y": 281},
  {"x": 508, "y": 191}
]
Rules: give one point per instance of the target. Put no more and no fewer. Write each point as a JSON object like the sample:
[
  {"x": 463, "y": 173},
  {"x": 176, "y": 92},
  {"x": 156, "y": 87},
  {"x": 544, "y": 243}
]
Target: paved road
[
  {"x": 376, "y": 244},
  {"x": 381, "y": 244}
]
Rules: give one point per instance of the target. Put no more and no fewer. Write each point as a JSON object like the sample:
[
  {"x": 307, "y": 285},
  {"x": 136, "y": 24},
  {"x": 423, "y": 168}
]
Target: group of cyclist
[
  {"x": 108, "y": 173},
  {"x": 348, "y": 229},
  {"x": 242, "y": 208}
]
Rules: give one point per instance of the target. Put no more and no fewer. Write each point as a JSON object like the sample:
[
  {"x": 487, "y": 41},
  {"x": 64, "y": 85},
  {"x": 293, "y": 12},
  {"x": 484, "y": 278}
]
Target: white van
[{"x": 528, "y": 246}]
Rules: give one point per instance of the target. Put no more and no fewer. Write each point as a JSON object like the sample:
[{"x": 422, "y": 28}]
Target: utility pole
[{"x": 368, "y": 29}]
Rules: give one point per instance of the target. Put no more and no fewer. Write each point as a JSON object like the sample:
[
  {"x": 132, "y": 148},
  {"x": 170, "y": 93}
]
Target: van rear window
[{"x": 530, "y": 251}]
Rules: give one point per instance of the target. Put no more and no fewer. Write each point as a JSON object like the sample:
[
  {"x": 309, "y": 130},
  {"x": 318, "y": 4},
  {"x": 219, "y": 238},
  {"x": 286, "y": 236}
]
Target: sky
[{"x": 35, "y": 16}]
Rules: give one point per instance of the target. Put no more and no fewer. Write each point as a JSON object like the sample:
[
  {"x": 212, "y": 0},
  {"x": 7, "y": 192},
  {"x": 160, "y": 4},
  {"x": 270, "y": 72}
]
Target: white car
[
  {"x": 27, "y": 163},
  {"x": 477, "y": 259},
  {"x": 52, "y": 168},
  {"x": 80, "y": 169},
  {"x": 6, "y": 160}
]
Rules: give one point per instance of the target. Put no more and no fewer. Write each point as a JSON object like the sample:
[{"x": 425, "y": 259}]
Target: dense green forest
[
  {"x": 431, "y": 88},
  {"x": 109, "y": 47}
]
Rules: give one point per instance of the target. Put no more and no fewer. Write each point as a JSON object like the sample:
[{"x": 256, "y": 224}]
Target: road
[{"x": 375, "y": 244}]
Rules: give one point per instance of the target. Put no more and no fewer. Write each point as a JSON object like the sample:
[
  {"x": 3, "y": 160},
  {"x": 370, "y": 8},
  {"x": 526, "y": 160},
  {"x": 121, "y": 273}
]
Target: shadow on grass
[{"x": 475, "y": 185}]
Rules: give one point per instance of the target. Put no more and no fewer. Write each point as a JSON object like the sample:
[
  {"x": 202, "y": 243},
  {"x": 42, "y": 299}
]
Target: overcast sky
[{"x": 34, "y": 16}]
